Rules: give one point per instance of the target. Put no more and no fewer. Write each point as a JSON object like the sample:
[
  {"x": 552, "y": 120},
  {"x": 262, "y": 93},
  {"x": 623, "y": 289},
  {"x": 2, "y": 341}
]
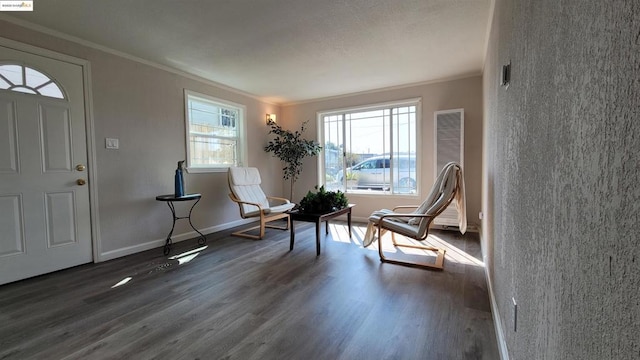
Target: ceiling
[{"x": 285, "y": 51}]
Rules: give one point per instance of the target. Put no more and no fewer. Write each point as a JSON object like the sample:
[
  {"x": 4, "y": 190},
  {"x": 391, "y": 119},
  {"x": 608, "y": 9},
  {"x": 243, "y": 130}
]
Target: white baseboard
[
  {"x": 497, "y": 320},
  {"x": 113, "y": 254},
  {"x": 502, "y": 344}
]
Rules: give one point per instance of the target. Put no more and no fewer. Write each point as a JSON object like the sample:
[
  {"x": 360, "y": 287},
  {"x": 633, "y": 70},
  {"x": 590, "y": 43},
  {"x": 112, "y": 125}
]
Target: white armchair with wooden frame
[
  {"x": 244, "y": 183},
  {"x": 415, "y": 225}
]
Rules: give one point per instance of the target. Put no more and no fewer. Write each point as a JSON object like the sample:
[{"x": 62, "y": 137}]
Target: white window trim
[
  {"x": 242, "y": 133},
  {"x": 377, "y": 106}
]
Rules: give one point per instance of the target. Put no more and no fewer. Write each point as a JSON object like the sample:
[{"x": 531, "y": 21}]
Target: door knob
[
  {"x": 80, "y": 167},
  {"x": 81, "y": 182}
]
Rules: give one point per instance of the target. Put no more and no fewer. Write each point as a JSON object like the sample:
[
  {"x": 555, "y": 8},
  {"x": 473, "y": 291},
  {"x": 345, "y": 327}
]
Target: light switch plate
[{"x": 111, "y": 143}]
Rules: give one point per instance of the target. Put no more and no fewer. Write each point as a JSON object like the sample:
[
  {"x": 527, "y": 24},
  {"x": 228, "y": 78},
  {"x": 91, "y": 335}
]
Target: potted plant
[
  {"x": 323, "y": 201},
  {"x": 291, "y": 149}
]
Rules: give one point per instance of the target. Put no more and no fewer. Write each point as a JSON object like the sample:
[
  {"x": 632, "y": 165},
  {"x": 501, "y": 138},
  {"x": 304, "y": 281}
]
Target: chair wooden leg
[
  {"x": 437, "y": 265},
  {"x": 243, "y": 233},
  {"x": 279, "y": 227},
  {"x": 264, "y": 223}
]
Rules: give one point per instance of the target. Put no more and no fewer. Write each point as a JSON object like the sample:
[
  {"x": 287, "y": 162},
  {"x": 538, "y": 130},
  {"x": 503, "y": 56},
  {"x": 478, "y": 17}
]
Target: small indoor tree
[{"x": 291, "y": 149}]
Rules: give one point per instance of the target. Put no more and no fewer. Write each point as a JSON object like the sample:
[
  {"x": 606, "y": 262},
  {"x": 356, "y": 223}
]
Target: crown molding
[
  {"x": 389, "y": 88},
  {"x": 55, "y": 33}
]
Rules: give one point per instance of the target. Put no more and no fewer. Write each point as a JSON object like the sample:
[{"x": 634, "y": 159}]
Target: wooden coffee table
[{"x": 318, "y": 219}]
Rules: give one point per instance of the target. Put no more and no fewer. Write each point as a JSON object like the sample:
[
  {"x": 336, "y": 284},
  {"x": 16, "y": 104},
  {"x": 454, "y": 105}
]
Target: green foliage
[
  {"x": 352, "y": 159},
  {"x": 352, "y": 175},
  {"x": 291, "y": 149},
  {"x": 323, "y": 201}
]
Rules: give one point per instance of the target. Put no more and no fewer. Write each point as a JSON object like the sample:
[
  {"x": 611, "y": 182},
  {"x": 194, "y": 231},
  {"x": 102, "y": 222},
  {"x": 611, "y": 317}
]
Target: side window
[{"x": 216, "y": 136}]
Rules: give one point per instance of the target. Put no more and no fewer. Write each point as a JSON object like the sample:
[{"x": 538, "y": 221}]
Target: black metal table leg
[
  {"x": 169, "y": 199},
  {"x": 292, "y": 236},
  {"x": 202, "y": 240},
  {"x": 168, "y": 243}
]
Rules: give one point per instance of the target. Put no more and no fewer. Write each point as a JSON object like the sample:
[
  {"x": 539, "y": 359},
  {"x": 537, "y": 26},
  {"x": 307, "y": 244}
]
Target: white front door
[{"x": 44, "y": 204}]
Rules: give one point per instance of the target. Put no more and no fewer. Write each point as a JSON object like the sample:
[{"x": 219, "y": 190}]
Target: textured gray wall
[{"x": 561, "y": 177}]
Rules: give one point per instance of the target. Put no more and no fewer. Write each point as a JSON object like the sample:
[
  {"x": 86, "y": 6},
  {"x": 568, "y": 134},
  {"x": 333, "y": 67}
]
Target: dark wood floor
[{"x": 245, "y": 299}]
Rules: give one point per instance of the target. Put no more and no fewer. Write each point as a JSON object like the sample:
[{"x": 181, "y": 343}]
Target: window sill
[{"x": 197, "y": 170}]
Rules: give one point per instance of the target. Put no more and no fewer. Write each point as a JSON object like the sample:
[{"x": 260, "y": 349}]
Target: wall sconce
[{"x": 271, "y": 118}]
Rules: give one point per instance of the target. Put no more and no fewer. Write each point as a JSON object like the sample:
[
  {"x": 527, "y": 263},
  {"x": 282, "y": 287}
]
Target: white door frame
[{"x": 90, "y": 135}]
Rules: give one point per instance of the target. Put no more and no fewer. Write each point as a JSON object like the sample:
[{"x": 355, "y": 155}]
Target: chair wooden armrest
[
  {"x": 235, "y": 199},
  {"x": 286, "y": 201},
  {"x": 404, "y": 215},
  {"x": 405, "y": 207}
]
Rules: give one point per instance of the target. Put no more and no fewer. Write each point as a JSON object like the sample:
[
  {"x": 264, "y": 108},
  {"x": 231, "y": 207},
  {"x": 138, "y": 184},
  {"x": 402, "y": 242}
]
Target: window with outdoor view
[
  {"x": 371, "y": 150},
  {"x": 215, "y": 133}
]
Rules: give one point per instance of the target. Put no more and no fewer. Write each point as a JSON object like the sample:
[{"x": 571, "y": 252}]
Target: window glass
[
  {"x": 51, "y": 90},
  {"x": 24, "y": 90},
  {"x": 215, "y": 133},
  {"x": 29, "y": 81},
  {"x": 12, "y": 73},
  {"x": 35, "y": 78},
  {"x": 372, "y": 150}
]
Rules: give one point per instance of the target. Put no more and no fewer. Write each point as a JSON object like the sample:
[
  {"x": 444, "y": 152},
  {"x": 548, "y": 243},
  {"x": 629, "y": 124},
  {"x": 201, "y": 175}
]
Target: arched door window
[{"x": 24, "y": 79}]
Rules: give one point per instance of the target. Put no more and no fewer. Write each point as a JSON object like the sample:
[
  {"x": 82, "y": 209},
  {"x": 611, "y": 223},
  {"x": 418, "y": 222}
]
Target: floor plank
[{"x": 245, "y": 299}]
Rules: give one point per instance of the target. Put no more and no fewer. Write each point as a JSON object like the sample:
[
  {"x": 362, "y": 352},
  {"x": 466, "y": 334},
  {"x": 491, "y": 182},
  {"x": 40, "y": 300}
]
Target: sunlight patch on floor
[
  {"x": 122, "y": 282},
  {"x": 187, "y": 256},
  {"x": 340, "y": 233},
  {"x": 456, "y": 254}
]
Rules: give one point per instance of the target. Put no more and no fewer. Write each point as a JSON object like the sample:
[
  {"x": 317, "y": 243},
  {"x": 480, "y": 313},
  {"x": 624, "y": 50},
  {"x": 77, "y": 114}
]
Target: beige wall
[
  {"x": 463, "y": 93},
  {"x": 143, "y": 107}
]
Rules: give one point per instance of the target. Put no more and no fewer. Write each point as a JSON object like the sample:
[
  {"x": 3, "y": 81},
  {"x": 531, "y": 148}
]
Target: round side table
[{"x": 170, "y": 199}]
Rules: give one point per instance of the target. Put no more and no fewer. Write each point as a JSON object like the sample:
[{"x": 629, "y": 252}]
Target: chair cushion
[
  {"x": 245, "y": 185},
  {"x": 281, "y": 208},
  {"x": 401, "y": 228},
  {"x": 376, "y": 215},
  {"x": 448, "y": 185},
  {"x": 241, "y": 176},
  {"x": 395, "y": 224},
  {"x": 445, "y": 183},
  {"x": 252, "y": 194}
]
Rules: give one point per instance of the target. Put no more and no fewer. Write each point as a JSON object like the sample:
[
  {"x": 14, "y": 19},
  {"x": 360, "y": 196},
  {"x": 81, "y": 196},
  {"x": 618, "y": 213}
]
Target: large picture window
[
  {"x": 215, "y": 133},
  {"x": 371, "y": 149}
]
